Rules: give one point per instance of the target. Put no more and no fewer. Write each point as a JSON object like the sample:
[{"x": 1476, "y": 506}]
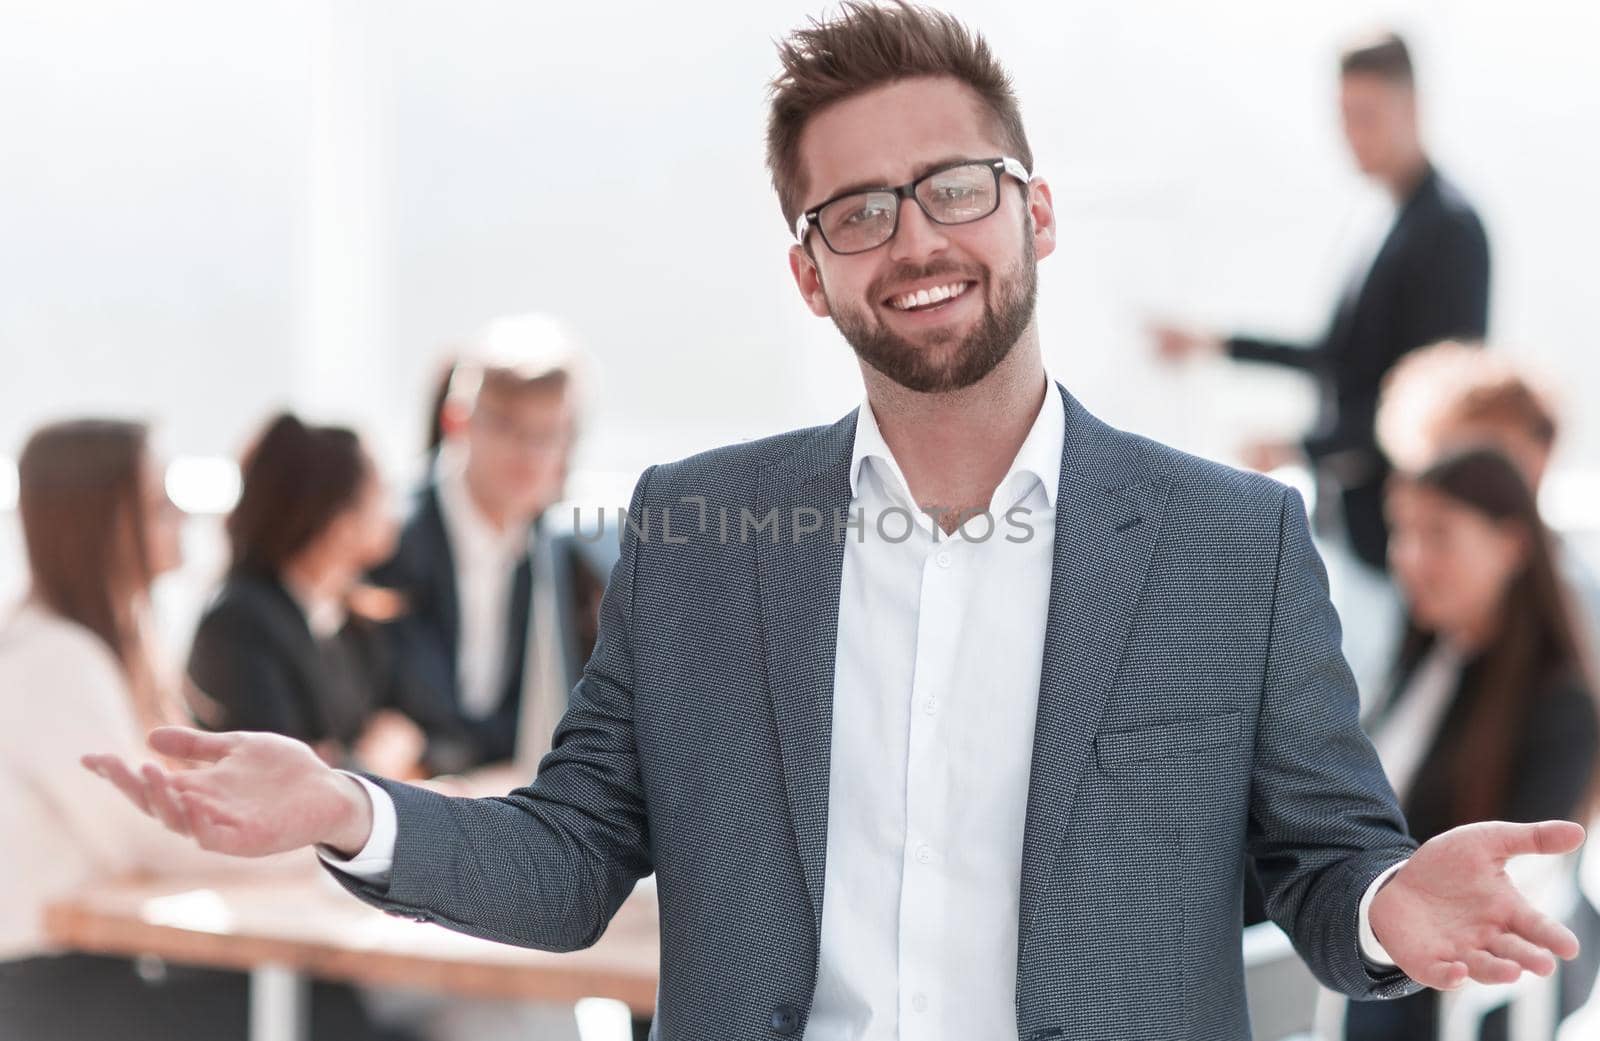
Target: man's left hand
[{"x": 1451, "y": 913}]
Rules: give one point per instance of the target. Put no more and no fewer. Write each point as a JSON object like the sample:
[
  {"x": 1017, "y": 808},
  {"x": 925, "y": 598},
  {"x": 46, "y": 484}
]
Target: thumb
[
  {"x": 1545, "y": 837},
  {"x": 188, "y": 743}
]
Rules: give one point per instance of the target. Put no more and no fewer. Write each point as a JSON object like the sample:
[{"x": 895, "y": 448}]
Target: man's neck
[
  {"x": 954, "y": 448},
  {"x": 1403, "y": 181},
  {"x": 488, "y": 510}
]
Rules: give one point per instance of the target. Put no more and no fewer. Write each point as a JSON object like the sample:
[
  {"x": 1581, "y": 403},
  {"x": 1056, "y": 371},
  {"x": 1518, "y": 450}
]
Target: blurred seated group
[
  {"x": 448, "y": 643},
  {"x": 410, "y": 651},
  {"x": 1490, "y": 711}
]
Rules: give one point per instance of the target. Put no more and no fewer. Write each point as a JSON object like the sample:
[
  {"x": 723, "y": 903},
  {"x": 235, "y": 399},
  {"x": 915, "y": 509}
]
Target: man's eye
[{"x": 864, "y": 215}]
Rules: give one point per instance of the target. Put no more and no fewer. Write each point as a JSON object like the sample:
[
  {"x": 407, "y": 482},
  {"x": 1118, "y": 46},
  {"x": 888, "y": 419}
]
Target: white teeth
[{"x": 927, "y": 297}]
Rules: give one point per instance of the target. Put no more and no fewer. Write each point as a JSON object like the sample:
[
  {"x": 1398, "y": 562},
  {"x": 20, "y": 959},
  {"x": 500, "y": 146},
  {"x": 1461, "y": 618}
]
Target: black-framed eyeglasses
[{"x": 957, "y": 193}]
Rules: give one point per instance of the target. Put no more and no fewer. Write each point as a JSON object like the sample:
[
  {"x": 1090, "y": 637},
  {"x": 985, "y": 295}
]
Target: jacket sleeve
[
  {"x": 1273, "y": 352},
  {"x": 1323, "y": 820},
  {"x": 548, "y": 865}
]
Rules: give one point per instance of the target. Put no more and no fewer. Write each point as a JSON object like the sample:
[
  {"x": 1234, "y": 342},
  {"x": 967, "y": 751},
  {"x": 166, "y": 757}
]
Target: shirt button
[
  {"x": 930, "y": 705},
  {"x": 919, "y": 1002},
  {"x": 943, "y": 559},
  {"x": 924, "y": 854}
]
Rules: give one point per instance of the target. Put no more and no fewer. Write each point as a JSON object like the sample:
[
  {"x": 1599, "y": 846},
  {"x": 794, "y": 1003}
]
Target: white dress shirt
[
  {"x": 936, "y": 689},
  {"x": 485, "y": 560}
]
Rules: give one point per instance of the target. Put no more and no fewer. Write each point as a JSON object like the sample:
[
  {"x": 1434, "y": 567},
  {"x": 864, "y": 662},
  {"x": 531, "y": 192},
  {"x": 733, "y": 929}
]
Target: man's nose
[{"x": 917, "y": 236}]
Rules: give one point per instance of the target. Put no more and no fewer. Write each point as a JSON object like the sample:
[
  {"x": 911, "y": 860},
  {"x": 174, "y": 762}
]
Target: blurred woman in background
[
  {"x": 78, "y": 675},
  {"x": 290, "y": 643},
  {"x": 1492, "y": 712}
]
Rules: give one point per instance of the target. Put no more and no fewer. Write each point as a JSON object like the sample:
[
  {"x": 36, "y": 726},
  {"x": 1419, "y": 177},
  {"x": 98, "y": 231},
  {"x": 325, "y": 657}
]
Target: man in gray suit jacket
[{"x": 897, "y": 777}]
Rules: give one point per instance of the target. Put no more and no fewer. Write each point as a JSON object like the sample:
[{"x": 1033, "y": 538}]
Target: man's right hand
[
  {"x": 1176, "y": 343},
  {"x": 248, "y": 794}
]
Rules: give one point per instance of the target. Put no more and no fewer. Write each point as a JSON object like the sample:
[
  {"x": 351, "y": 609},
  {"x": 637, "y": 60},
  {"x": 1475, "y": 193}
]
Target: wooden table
[{"x": 285, "y": 928}]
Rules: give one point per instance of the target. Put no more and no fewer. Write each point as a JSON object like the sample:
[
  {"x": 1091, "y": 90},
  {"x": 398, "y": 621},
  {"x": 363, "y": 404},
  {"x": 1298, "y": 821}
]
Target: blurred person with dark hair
[
  {"x": 1428, "y": 281},
  {"x": 507, "y": 416},
  {"x": 291, "y": 644},
  {"x": 78, "y": 674},
  {"x": 1452, "y": 396},
  {"x": 1491, "y": 714}
]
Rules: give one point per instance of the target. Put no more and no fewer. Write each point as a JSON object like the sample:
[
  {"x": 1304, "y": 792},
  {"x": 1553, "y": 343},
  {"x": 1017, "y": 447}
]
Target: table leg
[{"x": 278, "y": 1004}]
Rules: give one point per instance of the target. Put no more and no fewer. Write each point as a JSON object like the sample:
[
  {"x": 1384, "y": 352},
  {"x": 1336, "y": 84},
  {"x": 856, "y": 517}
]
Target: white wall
[{"x": 212, "y": 209}]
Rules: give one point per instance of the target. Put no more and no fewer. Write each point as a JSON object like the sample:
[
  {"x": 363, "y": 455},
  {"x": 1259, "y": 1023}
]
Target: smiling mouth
[{"x": 929, "y": 299}]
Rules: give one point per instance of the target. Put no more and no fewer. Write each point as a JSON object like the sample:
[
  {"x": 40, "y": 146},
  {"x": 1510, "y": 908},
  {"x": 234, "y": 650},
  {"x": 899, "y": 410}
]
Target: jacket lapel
[
  {"x": 799, "y": 584},
  {"x": 1108, "y": 515}
]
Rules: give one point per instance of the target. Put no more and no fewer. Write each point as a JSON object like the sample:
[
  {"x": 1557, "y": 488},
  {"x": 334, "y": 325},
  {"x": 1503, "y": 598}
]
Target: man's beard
[{"x": 931, "y": 367}]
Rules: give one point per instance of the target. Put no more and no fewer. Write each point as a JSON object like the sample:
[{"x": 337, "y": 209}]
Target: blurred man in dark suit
[
  {"x": 1428, "y": 281},
  {"x": 465, "y": 562}
]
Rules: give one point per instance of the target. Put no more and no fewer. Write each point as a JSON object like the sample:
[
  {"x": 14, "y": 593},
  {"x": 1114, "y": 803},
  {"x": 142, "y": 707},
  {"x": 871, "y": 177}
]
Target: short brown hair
[
  {"x": 869, "y": 45},
  {"x": 1384, "y": 55}
]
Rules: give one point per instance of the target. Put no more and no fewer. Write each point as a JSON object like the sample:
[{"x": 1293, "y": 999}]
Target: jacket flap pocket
[{"x": 1123, "y": 747}]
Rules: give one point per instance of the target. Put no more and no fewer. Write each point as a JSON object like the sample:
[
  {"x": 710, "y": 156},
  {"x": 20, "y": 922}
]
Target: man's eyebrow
[{"x": 921, "y": 171}]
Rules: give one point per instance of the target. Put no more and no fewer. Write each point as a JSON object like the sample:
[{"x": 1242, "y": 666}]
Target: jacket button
[{"x": 785, "y": 1019}]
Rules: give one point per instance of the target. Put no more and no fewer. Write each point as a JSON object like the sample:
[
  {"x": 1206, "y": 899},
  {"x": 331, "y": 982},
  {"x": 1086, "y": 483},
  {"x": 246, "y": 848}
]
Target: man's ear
[
  {"x": 809, "y": 280},
  {"x": 453, "y": 416},
  {"x": 1041, "y": 218}
]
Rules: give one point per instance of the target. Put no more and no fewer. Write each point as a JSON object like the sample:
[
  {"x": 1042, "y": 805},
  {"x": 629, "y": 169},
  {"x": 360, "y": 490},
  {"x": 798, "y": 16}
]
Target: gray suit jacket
[{"x": 1194, "y": 707}]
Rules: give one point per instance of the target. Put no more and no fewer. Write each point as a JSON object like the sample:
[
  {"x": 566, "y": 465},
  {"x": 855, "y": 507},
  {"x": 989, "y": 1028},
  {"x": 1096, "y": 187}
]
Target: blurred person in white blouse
[{"x": 78, "y": 674}]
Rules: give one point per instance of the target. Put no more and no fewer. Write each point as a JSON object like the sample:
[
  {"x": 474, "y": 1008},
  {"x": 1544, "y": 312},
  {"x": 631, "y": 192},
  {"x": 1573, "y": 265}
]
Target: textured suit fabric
[
  {"x": 1193, "y": 705},
  {"x": 1428, "y": 282}
]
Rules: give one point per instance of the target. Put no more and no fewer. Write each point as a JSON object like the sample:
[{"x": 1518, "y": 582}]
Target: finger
[
  {"x": 1531, "y": 957},
  {"x": 164, "y": 800},
  {"x": 116, "y": 771},
  {"x": 1543, "y": 931},
  {"x": 212, "y": 828},
  {"x": 1549, "y": 838},
  {"x": 192, "y": 744},
  {"x": 1487, "y": 968},
  {"x": 1442, "y": 975}
]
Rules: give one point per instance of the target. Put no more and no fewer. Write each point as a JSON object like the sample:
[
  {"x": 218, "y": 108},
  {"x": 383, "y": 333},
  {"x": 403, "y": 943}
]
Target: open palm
[
  {"x": 1452, "y": 912},
  {"x": 248, "y": 794}
]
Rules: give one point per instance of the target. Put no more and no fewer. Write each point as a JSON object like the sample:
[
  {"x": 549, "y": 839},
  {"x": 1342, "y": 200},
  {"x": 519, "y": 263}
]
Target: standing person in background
[
  {"x": 290, "y": 643},
  {"x": 1492, "y": 712},
  {"x": 78, "y": 674},
  {"x": 1428, "y": 281},
  {"x": 463, "y": 566}
]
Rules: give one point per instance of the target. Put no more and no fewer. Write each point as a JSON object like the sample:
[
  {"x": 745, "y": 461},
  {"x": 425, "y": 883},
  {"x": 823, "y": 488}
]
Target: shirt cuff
[
  {"x": 376, "y": 858},
  {"x": 1371, "y": 949}
]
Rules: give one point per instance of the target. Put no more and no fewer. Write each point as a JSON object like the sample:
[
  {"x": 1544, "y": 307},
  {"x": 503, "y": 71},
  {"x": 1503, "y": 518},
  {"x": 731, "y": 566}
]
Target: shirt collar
[{"x": 1039, "y": 455}]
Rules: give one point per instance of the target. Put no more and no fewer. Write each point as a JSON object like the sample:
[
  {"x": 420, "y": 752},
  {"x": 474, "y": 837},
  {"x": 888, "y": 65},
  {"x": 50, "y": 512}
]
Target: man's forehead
[{"x": 894, "y": 133}]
